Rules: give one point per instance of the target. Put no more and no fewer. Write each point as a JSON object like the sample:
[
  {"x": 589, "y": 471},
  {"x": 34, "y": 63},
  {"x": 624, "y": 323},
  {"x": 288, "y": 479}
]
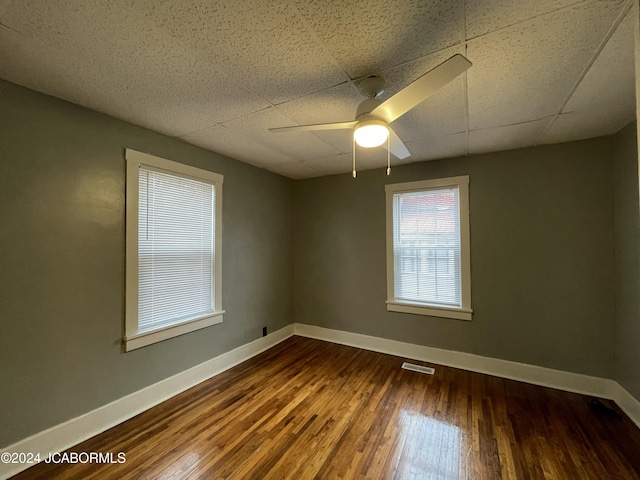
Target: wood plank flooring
[{"x": 309, "y": 409}]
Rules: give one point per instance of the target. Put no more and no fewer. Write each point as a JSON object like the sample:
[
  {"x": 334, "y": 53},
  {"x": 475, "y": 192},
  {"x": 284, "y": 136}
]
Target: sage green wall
[
  {"x": 627, "y": 252},
  {"x": 541, "y": 256},
  {"x": 62, "y": 183}
]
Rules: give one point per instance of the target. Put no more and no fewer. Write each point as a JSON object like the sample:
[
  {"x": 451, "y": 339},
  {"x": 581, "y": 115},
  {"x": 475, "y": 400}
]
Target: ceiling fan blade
[
  {"x": 422, "y": 88},
  {"x": 397, "y": 147},
  {"x": 318, "y": 126}
]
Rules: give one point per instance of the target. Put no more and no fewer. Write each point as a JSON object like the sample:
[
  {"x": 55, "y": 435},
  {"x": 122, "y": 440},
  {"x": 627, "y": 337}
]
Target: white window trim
[
  {"x": 464, "y": 312},
  {"x": 133, "y": 338}
]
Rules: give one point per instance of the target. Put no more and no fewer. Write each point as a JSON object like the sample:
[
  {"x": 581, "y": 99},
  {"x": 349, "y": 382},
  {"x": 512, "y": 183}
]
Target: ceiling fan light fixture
[{"x": 371, "y": 133}]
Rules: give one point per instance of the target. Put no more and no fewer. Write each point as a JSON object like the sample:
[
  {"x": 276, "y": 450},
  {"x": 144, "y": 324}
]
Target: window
[
  {"x": 173, "y": 269},
  {"x": 428, "y": 265}
]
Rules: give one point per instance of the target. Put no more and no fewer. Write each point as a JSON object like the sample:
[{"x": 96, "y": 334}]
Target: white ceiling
[{"x": 219, "y": 74}]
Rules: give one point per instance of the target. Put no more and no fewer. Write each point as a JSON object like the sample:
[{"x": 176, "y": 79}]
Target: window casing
[
  {"x": 428, "y": 248},
  {"x": 173, "y": 249}
]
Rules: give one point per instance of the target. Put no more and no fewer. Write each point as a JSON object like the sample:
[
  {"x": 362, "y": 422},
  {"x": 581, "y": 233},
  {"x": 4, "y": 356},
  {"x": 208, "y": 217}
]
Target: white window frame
[
  {"x": 133, "y": 338},
  {"x": 464, "y": 312}
]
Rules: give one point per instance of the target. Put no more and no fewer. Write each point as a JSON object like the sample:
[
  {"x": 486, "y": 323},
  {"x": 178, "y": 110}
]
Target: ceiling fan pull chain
[
  {"x": 354, "y": 157},
  {"x": 388, "y": 155}
]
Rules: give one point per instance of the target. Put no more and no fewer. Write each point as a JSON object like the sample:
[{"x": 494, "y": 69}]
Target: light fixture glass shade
[{"x": 372, "y": 133}]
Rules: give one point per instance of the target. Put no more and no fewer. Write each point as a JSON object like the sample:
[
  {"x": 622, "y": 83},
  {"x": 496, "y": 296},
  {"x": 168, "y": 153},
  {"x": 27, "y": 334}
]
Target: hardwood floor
[{"x": 310, "y": 409}]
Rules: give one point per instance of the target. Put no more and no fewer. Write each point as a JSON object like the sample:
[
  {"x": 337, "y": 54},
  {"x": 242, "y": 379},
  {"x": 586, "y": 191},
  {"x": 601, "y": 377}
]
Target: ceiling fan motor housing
[
  {"x": 374, "y": 116},
  {"x": 371, "y": 87},
  {"x": 366, "y": 107}
]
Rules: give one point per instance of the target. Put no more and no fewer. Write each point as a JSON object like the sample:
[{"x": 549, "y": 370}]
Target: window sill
[
  {"x": 142, "y": 339},
  {"x": 430, "y": 310}
]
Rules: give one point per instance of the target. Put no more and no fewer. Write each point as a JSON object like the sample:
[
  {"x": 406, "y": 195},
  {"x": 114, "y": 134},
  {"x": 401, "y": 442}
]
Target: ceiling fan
[{"x": 373, "y": 116}]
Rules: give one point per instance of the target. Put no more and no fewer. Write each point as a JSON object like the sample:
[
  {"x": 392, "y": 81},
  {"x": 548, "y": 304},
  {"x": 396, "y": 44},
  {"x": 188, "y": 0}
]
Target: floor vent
[{"x": 418, "y": 368}]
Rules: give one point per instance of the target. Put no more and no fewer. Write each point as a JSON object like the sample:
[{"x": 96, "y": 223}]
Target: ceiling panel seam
[
  {"x": 526, "y": 20},
  {"x": 455, "y": 47},
  {"x": 280, "y": 110},
  {"x": 315, "y": 92},
  {"x": 2, "y": 25},
  {"x": 322, "y": 45},
  {"x": 524, "y": 122},
  {"x": 223, "y": 124},
  {"x": 465, "y": 86},
  {"x": 614, "y": 26}
]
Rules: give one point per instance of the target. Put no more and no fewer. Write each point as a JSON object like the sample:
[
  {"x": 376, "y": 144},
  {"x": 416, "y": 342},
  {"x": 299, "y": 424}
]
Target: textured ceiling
[{"x": 219, "y": 74}]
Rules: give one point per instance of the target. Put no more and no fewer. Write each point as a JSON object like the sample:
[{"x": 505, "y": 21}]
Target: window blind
[
  {"x": 175, "y": 249},
  {"x": 427, "y": 247}
]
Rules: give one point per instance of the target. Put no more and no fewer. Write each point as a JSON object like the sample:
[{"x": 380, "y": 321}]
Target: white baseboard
[
  {"x": 627, "y": 403},
  {"x": 79, "y": 429},
  {"x": 546, "y": 377}
]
